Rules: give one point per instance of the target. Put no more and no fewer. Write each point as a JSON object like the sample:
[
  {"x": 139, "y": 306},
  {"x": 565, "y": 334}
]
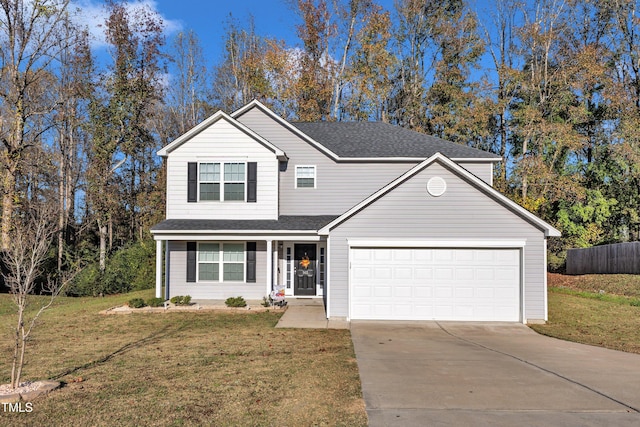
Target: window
[
  {"x": 233, "y": 262},
  {"x": 231, "y": 179},
  {"x": 234, "y": 181},
  {"x": 209, "y": 261},
  {"x": 224, "y": 262},
  {"x": 209, "y": 181},
  {"x": 305, "y": 177}
]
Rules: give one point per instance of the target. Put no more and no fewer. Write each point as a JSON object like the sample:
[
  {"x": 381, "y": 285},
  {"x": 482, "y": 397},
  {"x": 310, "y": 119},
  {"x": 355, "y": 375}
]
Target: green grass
[
  {"x": 580, "y": 312},
  {"x": 186, "y": 368}
]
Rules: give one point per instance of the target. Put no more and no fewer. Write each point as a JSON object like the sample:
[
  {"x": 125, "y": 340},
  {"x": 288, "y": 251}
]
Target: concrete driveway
[{"x": 488, "y": 374}]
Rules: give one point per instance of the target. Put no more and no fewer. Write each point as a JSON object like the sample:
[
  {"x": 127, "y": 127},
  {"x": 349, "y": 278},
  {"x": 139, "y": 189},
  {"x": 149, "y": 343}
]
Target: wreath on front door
[{"x": 304, "y": 262}]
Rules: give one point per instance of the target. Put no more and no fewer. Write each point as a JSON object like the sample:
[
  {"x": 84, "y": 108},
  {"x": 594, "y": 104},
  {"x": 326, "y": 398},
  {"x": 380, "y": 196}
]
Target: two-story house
[{"x": 379, "y": 221}]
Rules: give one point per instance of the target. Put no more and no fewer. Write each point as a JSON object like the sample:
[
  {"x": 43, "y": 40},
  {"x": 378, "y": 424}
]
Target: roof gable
[
  {"x": 482, "y": 186},
  {"x": 220, "y": 115}
]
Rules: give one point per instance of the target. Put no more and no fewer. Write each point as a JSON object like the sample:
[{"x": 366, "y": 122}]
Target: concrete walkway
[
  {"x": 459, "y": 374},
  {"x": 308, "y": 313}
]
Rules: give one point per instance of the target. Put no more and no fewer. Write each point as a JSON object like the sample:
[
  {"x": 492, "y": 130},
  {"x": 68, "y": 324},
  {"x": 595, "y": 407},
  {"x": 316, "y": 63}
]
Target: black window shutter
[
  {"x": 252, "y": 181},
  {"x": 251, "y": 262},
  {"x": 191, "y": 261},
  {"x": 192, "y": 182}
]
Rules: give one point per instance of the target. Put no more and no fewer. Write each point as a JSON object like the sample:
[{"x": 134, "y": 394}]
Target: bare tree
[
  {"x": 31, "y": 237},
  {"x": 30, "y": 37}
]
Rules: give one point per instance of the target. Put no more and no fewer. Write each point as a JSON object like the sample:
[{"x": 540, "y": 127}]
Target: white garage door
[{"x": 435, "y": 284}]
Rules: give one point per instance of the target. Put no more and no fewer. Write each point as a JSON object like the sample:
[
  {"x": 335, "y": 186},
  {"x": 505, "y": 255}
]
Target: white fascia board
[
  {"x": 549, "y": 230},
  {"x": 210, "y": 121},
  {"x": 449, "y": 243},
  {"x": 477, "y": 160},
  {"x": 236, "y": 235}
]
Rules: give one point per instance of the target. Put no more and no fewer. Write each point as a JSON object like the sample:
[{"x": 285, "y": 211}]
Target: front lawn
[
  {"x": 187, "y": 368},
  {"x": 600, "y": 310}
]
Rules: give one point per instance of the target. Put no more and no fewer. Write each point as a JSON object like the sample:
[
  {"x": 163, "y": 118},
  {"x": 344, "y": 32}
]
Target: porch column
[
  {"x": 166, "y": 270},
  {"x": 158, "y": 268},
  {"x": 269, "y": 266}
]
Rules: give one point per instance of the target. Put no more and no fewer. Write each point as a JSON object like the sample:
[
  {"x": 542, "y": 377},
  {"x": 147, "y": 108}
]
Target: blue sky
[
  {"x": 207, "y": 19},
  {"x": 273, "y": 18}
]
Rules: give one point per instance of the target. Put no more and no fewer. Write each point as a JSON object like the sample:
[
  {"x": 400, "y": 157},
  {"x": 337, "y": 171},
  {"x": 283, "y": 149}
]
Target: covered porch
[{"x": 211, "y": 259}]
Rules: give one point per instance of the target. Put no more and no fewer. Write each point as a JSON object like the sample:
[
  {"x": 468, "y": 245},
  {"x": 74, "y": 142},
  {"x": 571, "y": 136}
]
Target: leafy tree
[
  {"x": 314, "y": 86},
  {"x": 122, "y": 168},
  {"x": 453, "y": 100},
  {"x": 370, "y": 69}
]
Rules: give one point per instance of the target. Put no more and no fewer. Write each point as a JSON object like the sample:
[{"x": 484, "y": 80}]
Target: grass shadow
[{"x": 162, "y": 333}]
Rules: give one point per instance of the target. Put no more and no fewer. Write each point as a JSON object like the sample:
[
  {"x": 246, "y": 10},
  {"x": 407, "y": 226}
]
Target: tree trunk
[
  {"x": 8, "y": 196},
  {"x": 102, "y": 231},
  {"x": 61, "y": 211}
]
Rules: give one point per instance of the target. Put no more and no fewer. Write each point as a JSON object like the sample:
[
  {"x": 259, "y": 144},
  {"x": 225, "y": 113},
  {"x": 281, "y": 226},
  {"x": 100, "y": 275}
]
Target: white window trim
[
  {"x": 315, "y": 176},
  {"x": 221, "y": 263},
  {"x": 222, "y": 181}
]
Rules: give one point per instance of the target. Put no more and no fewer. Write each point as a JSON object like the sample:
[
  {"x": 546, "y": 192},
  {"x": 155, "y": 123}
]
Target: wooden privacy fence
[{"x": 605, "y": 259}]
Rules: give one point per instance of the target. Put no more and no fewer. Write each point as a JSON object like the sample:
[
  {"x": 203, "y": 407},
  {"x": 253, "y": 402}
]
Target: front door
[{"x": 305, "y": 269}]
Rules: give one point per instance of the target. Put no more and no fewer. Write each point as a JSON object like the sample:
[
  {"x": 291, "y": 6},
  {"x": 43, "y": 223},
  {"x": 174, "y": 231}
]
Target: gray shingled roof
[
  {"x": 302, "y": 223},
  {"x": 376, "y": 139}
]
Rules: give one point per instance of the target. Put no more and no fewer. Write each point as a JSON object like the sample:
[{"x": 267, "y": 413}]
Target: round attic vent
[{"x": 436, "y": 186}]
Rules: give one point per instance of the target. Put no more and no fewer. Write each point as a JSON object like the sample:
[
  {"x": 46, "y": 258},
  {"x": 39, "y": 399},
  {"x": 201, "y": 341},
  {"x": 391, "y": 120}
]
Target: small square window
[{"x": 305, "y": 177}]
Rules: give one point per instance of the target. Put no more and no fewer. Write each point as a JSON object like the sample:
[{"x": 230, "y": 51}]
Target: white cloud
[{"x": 92, "y": 14}]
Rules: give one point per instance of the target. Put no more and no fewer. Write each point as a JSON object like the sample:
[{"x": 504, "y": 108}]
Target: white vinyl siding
[
  {"x": 223, "y": 262},
  {"x": 223, "y": 143},
  {"x": 305, "y": 177}
]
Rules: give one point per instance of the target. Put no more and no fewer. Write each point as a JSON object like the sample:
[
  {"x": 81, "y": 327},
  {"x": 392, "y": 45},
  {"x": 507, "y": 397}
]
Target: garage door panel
[
  {"x": 465, "y": 292},
  {"x": 465, "y": 256},
  {"x": 422, "y": 274},
  {"x": 402, "y": 255},
  {"x": 444, "y": 274},
  {"x": 442, "y": 284},
  {"x": 363, "y": 273},
  {"x": 444, "y": 255},
  {"x": 382, "y": 255},
  {"x": 382, "y": 291},
  {"x": 362, "y": 292},
  {"x": 403, "y": 273},
  {"x": 464, "y": 274},
  {"x": 423, "y": 291},
  {"x": 403, "y": 292}
]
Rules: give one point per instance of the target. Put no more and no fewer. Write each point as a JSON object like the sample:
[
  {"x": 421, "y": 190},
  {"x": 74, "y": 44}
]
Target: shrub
[
  {"x": 155, "y": 302},
  {"x": 131, "y": 268},
  {"x": 136, "y": 303},
  {"x": 181, "y": 300},
  {"x": 235, "y": 302}
]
